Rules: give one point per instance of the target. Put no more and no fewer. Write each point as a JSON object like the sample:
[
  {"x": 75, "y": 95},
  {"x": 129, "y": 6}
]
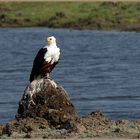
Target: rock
[
  {"x": 46, "y": 99},
  {"x": 25, "y": 125},
  {"x": 1, "y": 129},
  {"x": 44, "y": 105},
  {"x": 95, "y": 121}
]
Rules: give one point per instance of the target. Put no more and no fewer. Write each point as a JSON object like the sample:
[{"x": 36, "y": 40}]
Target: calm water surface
[{"x": 100, "y": 70}]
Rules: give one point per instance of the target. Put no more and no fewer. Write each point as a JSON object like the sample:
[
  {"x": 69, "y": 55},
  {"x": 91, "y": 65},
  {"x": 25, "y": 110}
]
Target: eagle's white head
[{"x": 51, "y": 40}]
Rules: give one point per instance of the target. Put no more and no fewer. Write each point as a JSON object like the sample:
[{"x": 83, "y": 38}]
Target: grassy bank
[{"x": 92, "y": 15}]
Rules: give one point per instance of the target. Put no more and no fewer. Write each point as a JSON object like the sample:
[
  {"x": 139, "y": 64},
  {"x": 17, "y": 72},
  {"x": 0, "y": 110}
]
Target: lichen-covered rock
[{"x": 46, "y": 99}]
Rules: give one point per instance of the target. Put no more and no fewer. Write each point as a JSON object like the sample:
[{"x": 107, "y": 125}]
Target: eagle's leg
[{"x": 47, "y": 76}]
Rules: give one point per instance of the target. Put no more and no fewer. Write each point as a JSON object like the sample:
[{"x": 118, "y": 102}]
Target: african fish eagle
[{"x": 45, "y": 60}]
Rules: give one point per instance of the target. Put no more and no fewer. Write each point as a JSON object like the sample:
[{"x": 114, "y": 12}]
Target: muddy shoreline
[{"x": 90, "y": 126}]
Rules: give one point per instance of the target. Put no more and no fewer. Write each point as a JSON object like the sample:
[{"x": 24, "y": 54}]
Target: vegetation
[{"x": 90, "y": 15}]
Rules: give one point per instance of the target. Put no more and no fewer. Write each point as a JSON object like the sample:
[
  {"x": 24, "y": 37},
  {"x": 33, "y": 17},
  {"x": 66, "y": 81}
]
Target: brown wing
[{"x": 38, "y": 63}]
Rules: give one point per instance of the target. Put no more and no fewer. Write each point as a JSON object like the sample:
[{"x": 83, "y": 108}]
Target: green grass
[{"x": 91, "y": 15}]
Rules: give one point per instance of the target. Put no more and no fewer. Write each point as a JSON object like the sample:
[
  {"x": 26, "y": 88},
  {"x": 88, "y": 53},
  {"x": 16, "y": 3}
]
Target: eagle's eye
[{"x": 50, "y": 40}]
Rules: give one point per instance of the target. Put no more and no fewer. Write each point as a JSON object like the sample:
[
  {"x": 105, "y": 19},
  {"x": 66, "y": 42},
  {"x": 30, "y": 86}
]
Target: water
[{"x": 100, "y": 70}]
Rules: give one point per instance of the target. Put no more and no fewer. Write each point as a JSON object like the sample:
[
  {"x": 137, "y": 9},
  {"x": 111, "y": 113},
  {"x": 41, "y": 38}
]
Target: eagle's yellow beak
[{"x": 49, "y": 40}]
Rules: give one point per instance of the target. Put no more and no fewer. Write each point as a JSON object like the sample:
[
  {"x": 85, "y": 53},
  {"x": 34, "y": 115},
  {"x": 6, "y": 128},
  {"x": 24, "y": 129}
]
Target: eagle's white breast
[{"x": 52, "y": 54}]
